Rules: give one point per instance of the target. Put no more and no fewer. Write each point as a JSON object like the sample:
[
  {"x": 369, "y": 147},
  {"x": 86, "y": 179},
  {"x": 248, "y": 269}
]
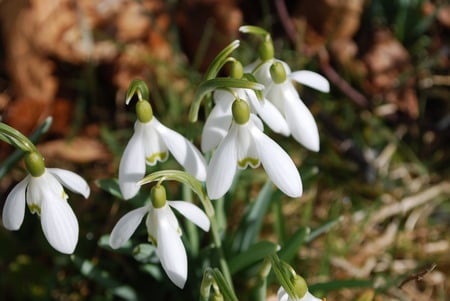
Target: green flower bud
[
  {"x": 144, "y": 111},
  {"x": 158, "y": 196},
  {"x": 266, "y": 51},
  {"x": 300, "y": 287},
  {"x": 241, "y": 111},
  {"x": 277, "y": 72},
  {"x": 34, "y": 163},
  {"x": 236, "y": 70}
]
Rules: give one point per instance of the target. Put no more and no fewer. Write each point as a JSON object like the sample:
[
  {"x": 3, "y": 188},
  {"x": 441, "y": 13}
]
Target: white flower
[
  {"x": 151, "y": 143},
  {"x": 46, "y": 196},
  {"x": 219, "y": 120},
  {"x": 164, "y": 231},
  {"x": 283, "y": 296},
  {"x": 246, "y": 145},
  {"x": 286, "y": 98}
]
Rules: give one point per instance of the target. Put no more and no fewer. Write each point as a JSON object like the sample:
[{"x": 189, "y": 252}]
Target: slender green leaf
[
  {"x": 224, "y": 286},
  {"x": 322, "y": 229},
  {"x": 111, "y": 186},
  {"x": 250, "y": 226},
  {"x": 220, "y": 60},
  {"x": 288, "y": 252},
  {"x": 252, "y": 255}
]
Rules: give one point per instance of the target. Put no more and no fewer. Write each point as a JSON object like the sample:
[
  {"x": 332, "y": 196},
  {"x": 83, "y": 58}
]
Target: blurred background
[{"x": 381, "y": 179}]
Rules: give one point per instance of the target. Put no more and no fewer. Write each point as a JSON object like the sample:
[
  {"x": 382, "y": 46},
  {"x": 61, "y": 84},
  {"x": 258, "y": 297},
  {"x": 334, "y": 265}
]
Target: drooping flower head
[
  {"x": 150, "y": 144},
  {"x": 278, "y": 79},
  {"x": 163, "y": 231},
  {"x": 219, "y": 120},
  {"x": 42, "y": 190},
  {"x": 246, "y": 145}
]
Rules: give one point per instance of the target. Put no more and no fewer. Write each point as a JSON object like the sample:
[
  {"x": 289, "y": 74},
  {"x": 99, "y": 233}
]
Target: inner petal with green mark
[
  {"x": 248, "y": 161},
  {"x": 154, "y": 158},
  {"x": 152, "y": 240},
  {"x": 34, "y": 208}
]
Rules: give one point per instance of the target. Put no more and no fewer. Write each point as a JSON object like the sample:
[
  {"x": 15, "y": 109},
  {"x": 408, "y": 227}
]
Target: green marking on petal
[
  {"x": 152, "y": 240},
  {"x": 161, "y": 156},
  {"x": 252, "y": 162},
  {"x": 34, "y": 208}
]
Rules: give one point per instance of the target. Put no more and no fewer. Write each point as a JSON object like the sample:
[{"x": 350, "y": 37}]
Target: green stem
[
  {"x": 16, "y": 138},
  {"x": 218, "y": 242}
]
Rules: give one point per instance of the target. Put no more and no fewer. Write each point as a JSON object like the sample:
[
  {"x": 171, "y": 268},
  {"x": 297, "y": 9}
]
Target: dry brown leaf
[
  {"x": 77, "y": 150},
  {"x": 387, "y": 60},
  {"x": 196, "y": 17}
]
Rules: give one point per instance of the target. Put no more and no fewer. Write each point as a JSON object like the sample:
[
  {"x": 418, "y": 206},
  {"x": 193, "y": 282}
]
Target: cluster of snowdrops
[{"x": 251, "y": 97}]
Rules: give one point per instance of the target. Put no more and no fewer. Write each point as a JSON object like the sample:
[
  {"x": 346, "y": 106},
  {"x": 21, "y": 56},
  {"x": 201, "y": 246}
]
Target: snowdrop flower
[
  {"x": 246, "y": 145},
  {"x": 150, "y": 144},
  {"x": 163, "y": 231},
  {"x": 220, "y": 118},
  {"x": 299, "y": 291},
  {"x": 278, "y": 80},
  {"x": 42, "y": 190},
  {"x": 283, "y": 296}
]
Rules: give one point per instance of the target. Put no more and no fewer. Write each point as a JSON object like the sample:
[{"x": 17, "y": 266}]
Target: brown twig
[
  {"x": 329, "y": 71},
  {"x": 338, "y": 81},
  {"x": 418, "y": 276}
]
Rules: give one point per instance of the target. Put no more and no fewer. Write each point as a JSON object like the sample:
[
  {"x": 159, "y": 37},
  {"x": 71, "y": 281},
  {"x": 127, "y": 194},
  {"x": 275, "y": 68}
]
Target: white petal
[
  {"x": 270, "y": 114},
  {"x": 126, "y": 226},
  {"x": 59, "y": 224},
  {"x": 71, "y": 180},
  {"x": 217, "y": 125},
  {"x": 192, "y": 213},
  {"x": 309, "y": 297},
  {"x": 155, "y": 148},
  {"x": 14, "y": 208},
  {"x": 282, "y": 295},
  {"x": 278, "y": 165},
  {"x": 223, "y": 165},
  {"x": 311, "y": 79},
  {"x": 132, "y": 165},
  {"x": 171, "y": 252},
  {"x": 250, "y": 67},
  {"x": 247, "y": 153},
  {"x": 301, "y": 122},
  {"x": 262, "y": 73},
  {"x": 183, "y": 151}
]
